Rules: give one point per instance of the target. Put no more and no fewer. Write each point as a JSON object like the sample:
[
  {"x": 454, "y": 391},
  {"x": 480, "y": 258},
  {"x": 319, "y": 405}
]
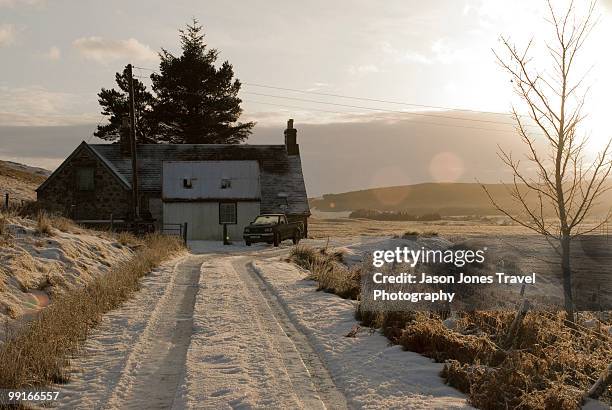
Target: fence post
[
  {"x": 601, "y": 384},
  {"x": 225, "y": 238},
  {"x": 516, "y": 324},
  {"x": 185, "y": 233}
]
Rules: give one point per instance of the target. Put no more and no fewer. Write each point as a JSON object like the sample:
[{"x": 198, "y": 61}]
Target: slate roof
[{"x": 280, "y": 173}]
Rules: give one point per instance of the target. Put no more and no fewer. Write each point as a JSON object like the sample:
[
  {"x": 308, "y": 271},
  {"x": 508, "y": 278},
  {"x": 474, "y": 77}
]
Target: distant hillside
[
  {"x": 20, "y": 181},
  {"x": 443, "y": 198}
]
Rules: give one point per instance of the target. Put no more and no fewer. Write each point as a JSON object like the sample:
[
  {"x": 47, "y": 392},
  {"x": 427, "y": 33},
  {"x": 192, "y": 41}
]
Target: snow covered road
[
  {"x": 241, "y": 329},
  {"x": 244, "y": 352}
]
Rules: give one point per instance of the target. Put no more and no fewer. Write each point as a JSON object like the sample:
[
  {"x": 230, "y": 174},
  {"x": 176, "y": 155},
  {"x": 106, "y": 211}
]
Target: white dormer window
[
  {"x": 226, "y": 183},
  {"x": 187, "y": 183}
]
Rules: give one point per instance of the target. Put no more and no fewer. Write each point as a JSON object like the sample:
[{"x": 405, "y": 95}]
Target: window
[
  {"x": 85, "y": 179},
  {"x": 227, "y": 213},
  {"x": 226, "y": 183},
  {"x": 266, "y": 220},
  {"x": 187, "y": 183}
]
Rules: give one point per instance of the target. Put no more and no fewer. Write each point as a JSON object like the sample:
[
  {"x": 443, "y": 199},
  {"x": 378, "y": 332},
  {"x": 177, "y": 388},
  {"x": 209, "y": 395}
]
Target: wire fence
[
  {"x": 579, "y": 332},
  {"x": 178, "y": 229},
  {"x": 604, "y": 230},
  {"x": 8, "y": 201}
]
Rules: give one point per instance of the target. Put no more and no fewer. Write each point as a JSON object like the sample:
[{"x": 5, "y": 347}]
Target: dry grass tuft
[
  {"x": 521, "y": 382},
  {"x": 5, "y": 236},
  {"x": 128, "y": 239},
  {"x": 24, "y": 268},
  {"x": 411, "y": 234},
  {"x": 3, "y": 279},
  {"x": 430, "y": 338},
  {"x": 3, "y": 225},
  {"x": 43, "y": 224},
  {"x": 64, "y": 224},
  {"x": 307, "y": 256},
  {"x": 551, "y": 365},
  {"x": 327, "y": 269},
  {"x": 38, "y": 354},
  {"x": 303, "y": 256},
  {"x": 12, "y": 311}
]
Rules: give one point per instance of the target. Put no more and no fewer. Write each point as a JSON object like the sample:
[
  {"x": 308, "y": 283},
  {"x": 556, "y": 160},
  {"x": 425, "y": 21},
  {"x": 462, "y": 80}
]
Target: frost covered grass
[
  {"x": 550, "y": 363},
  {"x": 414, "y": 234},
  {"x": 39, "y": 352},
  {"x": 3, "y": 224},
  {"x": 35, "y": 267},
  {"x": 43, "y": 224},
  {"x": 127, "y": 238},
  {"x": 326, "y": 268},
  {"x": 46, "y": 222},
  {"x": 63, "y": 224}
]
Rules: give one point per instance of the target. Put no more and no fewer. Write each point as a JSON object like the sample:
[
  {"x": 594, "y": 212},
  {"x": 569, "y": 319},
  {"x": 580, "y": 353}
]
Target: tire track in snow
[
  {"x": 305, "y": 368},
  {"x": 139, "y": 356},
  {"x": 156, "y": 364}
]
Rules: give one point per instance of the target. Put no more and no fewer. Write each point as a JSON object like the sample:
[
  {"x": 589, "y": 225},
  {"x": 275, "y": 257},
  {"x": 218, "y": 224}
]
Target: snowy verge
[
  {"x": 370, "y": 372},
  {"x": 106, "y": 354},
  {"x": 34, "y": 268}
]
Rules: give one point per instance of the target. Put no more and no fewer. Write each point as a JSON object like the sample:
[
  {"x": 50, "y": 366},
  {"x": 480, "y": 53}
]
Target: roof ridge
[{"x": 197, "y": 145}]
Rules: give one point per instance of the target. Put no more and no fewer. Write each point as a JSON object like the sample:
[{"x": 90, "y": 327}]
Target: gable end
[{"x": 83, "y": 145}]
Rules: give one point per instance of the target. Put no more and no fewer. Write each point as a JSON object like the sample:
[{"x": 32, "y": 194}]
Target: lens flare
[{"x": 446, "y": 167}]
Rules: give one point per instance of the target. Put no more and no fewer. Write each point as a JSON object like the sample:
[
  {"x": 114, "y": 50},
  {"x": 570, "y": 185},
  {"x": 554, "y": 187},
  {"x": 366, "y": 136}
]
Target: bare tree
[{"x": 564, "y": 179}]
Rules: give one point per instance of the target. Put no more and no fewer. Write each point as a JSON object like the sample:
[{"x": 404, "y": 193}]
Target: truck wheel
[
  {"x": 276, "y": 240},
  {"x": 247, "y": 243},
  {"x": 296, "y": 237}
]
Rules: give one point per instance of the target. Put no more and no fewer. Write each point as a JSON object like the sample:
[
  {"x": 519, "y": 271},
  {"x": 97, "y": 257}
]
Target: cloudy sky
[{"x": 56, "y": 55}]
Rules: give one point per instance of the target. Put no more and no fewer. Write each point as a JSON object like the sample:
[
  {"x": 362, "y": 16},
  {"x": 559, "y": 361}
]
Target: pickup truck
[{"x": 272, "y": 228}]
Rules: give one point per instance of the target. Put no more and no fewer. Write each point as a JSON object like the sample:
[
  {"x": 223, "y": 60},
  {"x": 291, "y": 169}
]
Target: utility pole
[{"x": 135, "y": 196}]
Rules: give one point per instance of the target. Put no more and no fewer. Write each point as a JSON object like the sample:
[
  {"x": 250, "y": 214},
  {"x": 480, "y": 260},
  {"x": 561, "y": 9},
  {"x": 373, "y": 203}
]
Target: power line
[
  {"x": 365, "y": 107},
  {"x": 379, "y": 109},
  {"x": 438, "y": 107},
  {"x": 382, "y": 118},
  {"x": 300, "y": 108},
  {"x": 93, "y": 133}
]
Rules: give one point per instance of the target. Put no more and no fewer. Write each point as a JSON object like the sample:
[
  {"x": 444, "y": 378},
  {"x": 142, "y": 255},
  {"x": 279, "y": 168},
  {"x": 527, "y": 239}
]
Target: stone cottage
[{"x": 204, "y": 185}]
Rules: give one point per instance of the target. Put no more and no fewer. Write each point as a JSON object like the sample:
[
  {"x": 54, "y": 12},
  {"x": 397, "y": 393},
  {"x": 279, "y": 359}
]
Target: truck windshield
[{"x": 265, "y": 220}]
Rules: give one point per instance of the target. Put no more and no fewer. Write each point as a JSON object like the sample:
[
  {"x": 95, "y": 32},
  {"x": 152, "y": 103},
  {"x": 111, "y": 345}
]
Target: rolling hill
[
  {"x": 20, "y": 181},
  {"x": 444, "y": 198}
]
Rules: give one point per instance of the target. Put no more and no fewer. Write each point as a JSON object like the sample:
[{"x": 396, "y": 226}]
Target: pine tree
[
  {"x": 115, "y": 104},
  {"x": 197, "y": 102}
]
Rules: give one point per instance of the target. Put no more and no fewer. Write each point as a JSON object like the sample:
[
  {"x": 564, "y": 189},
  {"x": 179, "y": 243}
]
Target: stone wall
[{"x": 108, "y": 197}]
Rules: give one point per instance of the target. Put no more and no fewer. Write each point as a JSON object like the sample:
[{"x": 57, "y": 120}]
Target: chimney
[
  {"x": 124, "y": 137},
  {"x": 291, "y": 139}
]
